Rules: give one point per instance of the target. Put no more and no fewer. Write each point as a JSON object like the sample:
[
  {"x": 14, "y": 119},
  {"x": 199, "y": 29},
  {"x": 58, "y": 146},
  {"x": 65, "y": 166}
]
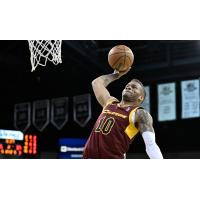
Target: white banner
[
  {"x": 190, "y": 98},
  {"x": 10, "y": 134},
  {"x": 166, "y": 102},
  {"x": 146, "y": 103}
]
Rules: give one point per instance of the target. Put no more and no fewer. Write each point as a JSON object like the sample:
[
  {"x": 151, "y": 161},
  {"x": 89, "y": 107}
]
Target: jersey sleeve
[{"x": 131, "y": 129}]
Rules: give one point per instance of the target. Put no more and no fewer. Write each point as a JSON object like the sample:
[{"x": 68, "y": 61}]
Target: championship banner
[
  {"x": 22, "y": 116},
  {"x": 166, "y": 102},
  {"x": 190, "y": 98},
  {"x": 146, "y": 102},
  {"x": 59, "y": 112},
  {"x": 41, "y": 114},
  {"x": 82, "y": 109}
]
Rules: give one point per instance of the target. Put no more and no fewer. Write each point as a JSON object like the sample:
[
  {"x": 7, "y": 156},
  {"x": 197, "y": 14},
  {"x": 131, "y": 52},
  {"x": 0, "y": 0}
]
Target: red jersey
[{"x": 113, "y": 132}]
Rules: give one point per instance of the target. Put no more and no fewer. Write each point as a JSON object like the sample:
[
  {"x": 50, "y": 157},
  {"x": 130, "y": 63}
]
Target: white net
[{"x": 43, "y": 50}]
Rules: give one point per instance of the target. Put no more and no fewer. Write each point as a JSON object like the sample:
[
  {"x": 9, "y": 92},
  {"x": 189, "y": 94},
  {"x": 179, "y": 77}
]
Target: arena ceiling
[{"x": 149, "y": 55}]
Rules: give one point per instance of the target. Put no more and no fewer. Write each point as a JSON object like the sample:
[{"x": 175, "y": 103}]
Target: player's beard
[{"x": 129, "y": 98}]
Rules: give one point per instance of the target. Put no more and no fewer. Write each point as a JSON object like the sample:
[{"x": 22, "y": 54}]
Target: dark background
[{"x": 82, "y": 61}]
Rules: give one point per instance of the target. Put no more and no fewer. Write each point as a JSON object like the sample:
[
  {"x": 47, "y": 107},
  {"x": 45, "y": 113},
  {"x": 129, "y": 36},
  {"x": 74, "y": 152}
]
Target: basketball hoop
[{"x": 43, "y": 50}]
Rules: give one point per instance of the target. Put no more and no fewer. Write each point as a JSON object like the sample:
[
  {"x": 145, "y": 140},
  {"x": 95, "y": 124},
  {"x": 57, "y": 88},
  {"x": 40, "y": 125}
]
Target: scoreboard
[
  {"x": 15, "y": 144},
  {"x": 30, "y": 144},
  {"x": 10, "y": 147}
]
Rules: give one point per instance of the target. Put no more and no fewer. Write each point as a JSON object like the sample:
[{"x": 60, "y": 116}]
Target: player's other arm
[
  {"x": 99, "y": 86},
  {"x": 145, "y": 123}
]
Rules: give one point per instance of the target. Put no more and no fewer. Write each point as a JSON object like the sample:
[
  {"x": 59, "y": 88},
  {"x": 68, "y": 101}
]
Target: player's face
[{"x": 133, "y": 92}]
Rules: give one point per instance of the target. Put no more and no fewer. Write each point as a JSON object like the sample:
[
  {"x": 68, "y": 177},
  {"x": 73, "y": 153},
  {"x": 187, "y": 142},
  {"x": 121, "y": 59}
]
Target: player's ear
[{"x": 141, "y": 98}]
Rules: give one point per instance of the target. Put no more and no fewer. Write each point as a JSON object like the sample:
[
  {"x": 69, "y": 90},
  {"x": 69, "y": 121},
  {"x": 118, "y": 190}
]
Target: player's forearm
[
  {"x": 105, "y": 80},
  {"x": 152, "y": 149},
  {"x": 154, "y": 152}
]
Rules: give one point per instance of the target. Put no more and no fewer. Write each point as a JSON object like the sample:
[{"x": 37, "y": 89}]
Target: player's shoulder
[
  {"x": 142, "y": 110},
  {"x": 111, "y": 100},
  {"x": 142, "y": 114}
]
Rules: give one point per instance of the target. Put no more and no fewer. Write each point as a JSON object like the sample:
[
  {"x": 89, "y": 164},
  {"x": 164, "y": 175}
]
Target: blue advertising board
[{"x": 71, "y": 148}]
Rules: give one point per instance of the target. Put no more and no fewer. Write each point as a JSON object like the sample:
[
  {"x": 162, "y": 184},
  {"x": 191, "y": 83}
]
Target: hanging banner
[
  {"x": 166, "y": 102},
  {"x": 82, "y": 109},
  {"x": 146, "y": 102},
  {"x": 22, "y": 116},
  {"x": 190, "y": 98},
  {"x": 41, "y": 114},
  {"x": 59, "y": 112}
]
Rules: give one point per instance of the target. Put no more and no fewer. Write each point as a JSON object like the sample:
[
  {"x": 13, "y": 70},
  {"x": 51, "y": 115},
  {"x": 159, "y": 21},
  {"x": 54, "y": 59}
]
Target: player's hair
[{"x": 143, "y": 90}]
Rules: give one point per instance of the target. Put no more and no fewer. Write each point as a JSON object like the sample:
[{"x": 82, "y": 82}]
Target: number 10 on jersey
[{"x": 105, "y": 125}]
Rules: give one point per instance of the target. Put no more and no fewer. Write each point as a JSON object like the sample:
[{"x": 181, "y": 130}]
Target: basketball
[{"x": 120, "y": 58}]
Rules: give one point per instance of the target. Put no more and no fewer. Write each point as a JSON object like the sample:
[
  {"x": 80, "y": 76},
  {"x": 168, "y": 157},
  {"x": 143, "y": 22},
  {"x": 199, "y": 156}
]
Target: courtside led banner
[
  {"x": 71, "y": 148},
  {"x": 166, "y": 102},
  {"x": 190, "y": 98}
]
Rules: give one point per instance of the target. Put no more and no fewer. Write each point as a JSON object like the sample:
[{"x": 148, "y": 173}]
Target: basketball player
[{"x": 120, "y": 121}]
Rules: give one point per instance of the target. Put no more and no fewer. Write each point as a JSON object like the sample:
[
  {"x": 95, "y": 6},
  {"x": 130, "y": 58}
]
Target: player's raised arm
[
  {"x": 99, "y": 86},
  {"x": 145, "y": 122}
]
